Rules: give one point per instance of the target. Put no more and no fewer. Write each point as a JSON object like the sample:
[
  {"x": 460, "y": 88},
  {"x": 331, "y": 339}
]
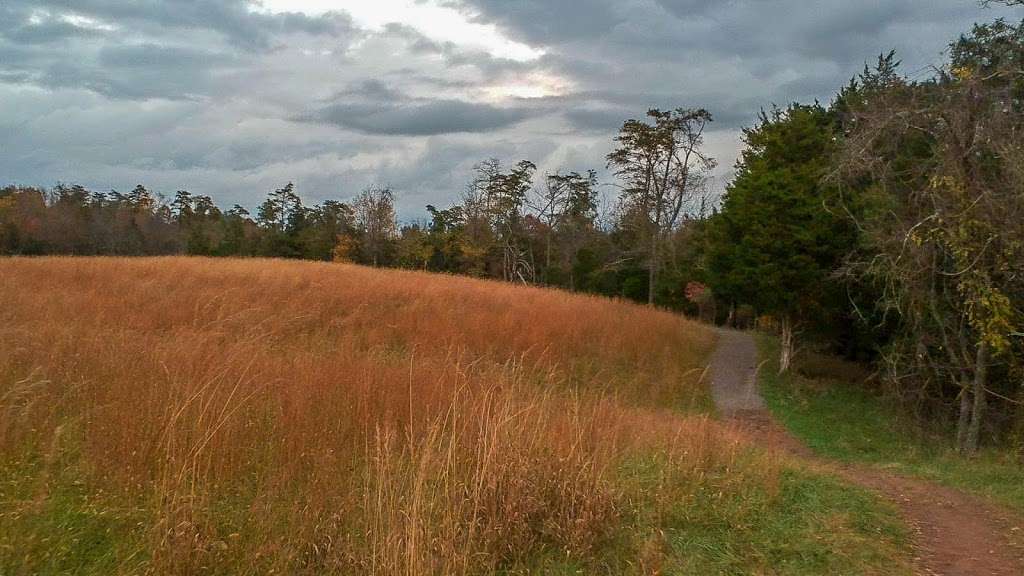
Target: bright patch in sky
[
  {"x": 436, "y": 22},
  {"x": 533, "y": 85},
  {"x": 39, "y": 17},
  {"x": 87, "y": 23}
]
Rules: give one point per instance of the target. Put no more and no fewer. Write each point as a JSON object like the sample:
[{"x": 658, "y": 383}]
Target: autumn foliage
[{"x": 249, "y": 415}]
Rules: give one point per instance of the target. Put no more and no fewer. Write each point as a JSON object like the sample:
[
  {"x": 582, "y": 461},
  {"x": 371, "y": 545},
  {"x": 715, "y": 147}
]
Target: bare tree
[
  {"x": 663, "y": 168},
  {"x": 375, "y": 216},
  {"x": 567, "y": 207},
  {"x": 494, "y": 202}
]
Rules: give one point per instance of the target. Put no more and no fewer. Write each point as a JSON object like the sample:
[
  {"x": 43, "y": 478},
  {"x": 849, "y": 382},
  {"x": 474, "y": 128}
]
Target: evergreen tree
[{"x": 773, "y": 245}]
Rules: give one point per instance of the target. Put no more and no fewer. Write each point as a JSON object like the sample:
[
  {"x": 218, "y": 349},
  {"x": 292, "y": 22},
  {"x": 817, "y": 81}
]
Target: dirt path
[{"x": 955, "y": 534}]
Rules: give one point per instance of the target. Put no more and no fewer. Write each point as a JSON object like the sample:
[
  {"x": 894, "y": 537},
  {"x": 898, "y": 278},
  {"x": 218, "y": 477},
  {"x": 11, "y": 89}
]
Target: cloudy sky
[{"x": 233, "y": 98}]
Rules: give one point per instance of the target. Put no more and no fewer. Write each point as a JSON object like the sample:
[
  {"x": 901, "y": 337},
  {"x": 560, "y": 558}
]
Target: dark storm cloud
[
  {"x": 123, "y": 72},
  {"x": 140, "y": 49},
  {"x": 156, "y": 56},
  {"x": 372, "y": 89},
  {"x": 418, "y": 117},
  {"x": 229, "y": 100},
  {"x": 19, "y": 31},
  {"x": 234, "y": 19},
  {"x": 724, "y": 55},
  {"x": 374, "y": 107},
  {"x": 428, "y": 80},
  {"x": 548, "y": 22}
]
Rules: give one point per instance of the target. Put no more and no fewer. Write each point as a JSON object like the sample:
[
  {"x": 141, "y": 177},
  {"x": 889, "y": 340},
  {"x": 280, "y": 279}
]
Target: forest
[{"x": 886, "y": 225}]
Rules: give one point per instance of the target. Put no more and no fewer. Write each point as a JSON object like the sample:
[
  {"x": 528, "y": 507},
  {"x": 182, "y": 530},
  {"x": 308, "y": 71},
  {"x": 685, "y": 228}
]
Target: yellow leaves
[
  {"x": 6, "y": 203},
  {"x": 937, "y": 182},
  {"x": 948, "y": 183},
  {"x": 962, "y": 73},
  {"x": 916, "y": 238},
  {"x": 992, "y": 314},
  {"x": 344, "y": 249}
]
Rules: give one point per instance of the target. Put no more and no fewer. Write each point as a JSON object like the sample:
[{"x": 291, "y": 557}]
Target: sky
[{"x": 233, "y": 98}]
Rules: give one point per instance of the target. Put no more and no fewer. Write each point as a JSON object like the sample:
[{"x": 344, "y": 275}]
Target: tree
[
  {"x": 493, "y": 204},
  {"x": 322, "y": 226},
  {"x": 943, "y": 159},
  {"x": 412, "y": 249},
  {"x": 68, "y": 220},
  {"x": 773, "y": 246},
  {"x": 140, "y": 198},
  {"x": 278, "y": 216},
  {"x": 663, "y": 169},
  {"x": 239, "y": 231},
  {"x": 568, "y": 208},
  {"x": 375, "y": 217},
  {"x": 446, "y": 238},
  {"x": 275, "y": 212}
]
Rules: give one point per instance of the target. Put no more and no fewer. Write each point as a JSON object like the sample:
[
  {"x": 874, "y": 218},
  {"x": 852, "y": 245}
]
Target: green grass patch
[
  {"x": 798, "y": 522},
  {"x": 728, "y": 523},
  {"x": 811, "y": 525},
  {"x": 827, "y": 405},
  {"x": 734, "y": 521},
  {"x": 53, "y": 525}
]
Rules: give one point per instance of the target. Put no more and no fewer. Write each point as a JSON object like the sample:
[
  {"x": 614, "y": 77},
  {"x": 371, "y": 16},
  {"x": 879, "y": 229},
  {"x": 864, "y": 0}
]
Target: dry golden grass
[{"x": 254, "y": 415}]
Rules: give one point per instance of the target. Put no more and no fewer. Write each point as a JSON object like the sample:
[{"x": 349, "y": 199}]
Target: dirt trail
[{"x": 955, "y": 534}]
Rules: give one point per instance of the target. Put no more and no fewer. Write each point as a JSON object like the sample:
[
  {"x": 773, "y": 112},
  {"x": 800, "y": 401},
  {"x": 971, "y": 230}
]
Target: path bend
[{"x": 955, "y": 534}]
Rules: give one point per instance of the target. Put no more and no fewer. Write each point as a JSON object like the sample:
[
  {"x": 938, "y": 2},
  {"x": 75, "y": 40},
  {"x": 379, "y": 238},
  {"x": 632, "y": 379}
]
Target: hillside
[{"x": 183, "y": 415}]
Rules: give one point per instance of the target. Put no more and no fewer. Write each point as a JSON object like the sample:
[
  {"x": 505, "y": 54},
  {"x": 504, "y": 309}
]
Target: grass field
[
  {"x": 825, "y": 403},
  {"x": 198, "y": 416}
]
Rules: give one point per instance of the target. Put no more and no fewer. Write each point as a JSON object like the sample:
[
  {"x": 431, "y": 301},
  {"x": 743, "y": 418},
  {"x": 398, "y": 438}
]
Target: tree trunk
[
  {"x": 547, "y": 261},
  {"x": 786, "y": 353},
  {"x": 507, "y": 273},
  {"x": 1018, "y": 426},
  {"x": 980, "y": 399},
  {"x": 652, "y": 274},
  {"x": 965, "y": 418}
]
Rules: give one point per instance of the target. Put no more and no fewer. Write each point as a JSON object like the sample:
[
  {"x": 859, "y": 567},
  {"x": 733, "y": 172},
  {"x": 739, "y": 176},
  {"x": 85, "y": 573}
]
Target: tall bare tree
[
  {"x": 663, "y": 167},
  {"x": 567, "y": 207},
  {"x": 375, "y": 216},
  {"x": 493, "y": 204}
]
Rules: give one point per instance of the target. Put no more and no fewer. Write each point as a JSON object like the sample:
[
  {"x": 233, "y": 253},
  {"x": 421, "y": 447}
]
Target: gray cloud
[
  {"x": 157, "y": 56},
  {"x": 384, "y": 111},
  {"x": 416, "y": 119},
  {"x": 217, "y": 97},
  {"x": 725, "y": 56},
  {"x": 139, "y": 49},
  {"x": 18, "y": 31},
  {"x": 599, "y": 120},
  {"x": 455, "y": 56},
  {"x": 371, "y": 89},
  {"x": 234, "y": 19},
  {"x": 549, "y": 22}
]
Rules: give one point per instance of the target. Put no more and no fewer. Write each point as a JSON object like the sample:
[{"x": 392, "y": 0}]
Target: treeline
[
  {"x": 510, "y": 224},
  {"x": 896, "y": 214},
  {"x": 888, "y": 224},
  {"x": 73, "y": 220}
]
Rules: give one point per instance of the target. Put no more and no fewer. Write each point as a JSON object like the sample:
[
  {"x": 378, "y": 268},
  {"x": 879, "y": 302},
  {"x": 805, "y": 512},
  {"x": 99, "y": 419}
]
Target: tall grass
[{"x": 179, "y": 415}]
